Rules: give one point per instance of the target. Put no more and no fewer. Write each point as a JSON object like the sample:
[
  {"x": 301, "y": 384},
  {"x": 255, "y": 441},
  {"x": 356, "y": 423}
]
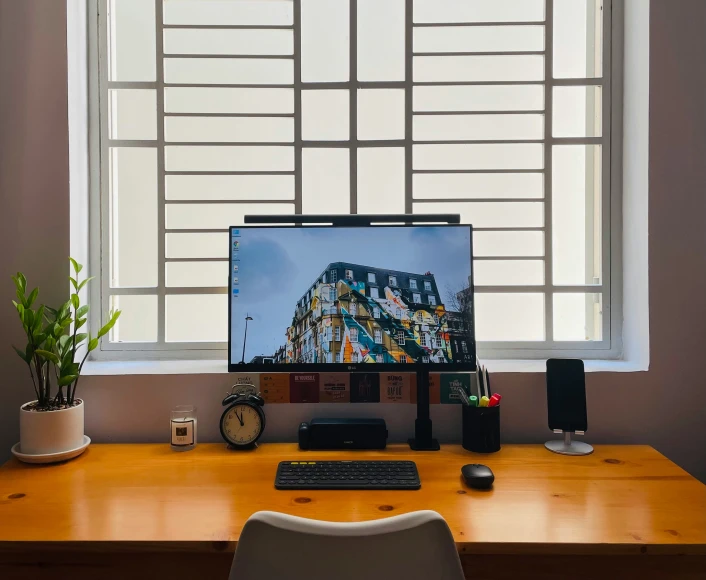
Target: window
[
  {"x": 412, "y": 283},
  {"x": 436, "y": 318},
  {"x": 323, "y": 278},
  {"x": 432, "y": 300},
  {"x": 403, "y": 358},
  {"x": 378, "y": 358},
  {"x": 354, "y": 334},
  {"x": 329, "y": 334},
  {"x": 332, "y": 294},
  {"x": 354, "y": 309},
  {"x": 398, "y": 313},
  {"x": 328, "y": 357},
  {"x": 374, "y": 293},
  {"x": 209, "y": 111},
  {"x": 400, "y": 337},
  {"x": 349, "y": 274},
  {"x": 416, "y": 298},
  {"x": 355, "y": 358},
  {"x": 432, "y": 342},
  {"x": 371, "y": 278},
  {"x": 378, "y": 336},
  {"x": 376, "y": 312},
  {"x": 464, "y": 347},
  {"x": 338, "y": 356},
  {"x": 338, "y": 333},
  {"x": 420, "y": 316},
  {"x": 425, "y": 359}
]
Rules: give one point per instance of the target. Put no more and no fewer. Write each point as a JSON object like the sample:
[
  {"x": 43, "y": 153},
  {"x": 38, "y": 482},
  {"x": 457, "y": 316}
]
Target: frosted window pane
[
  {"x": 228, "y": 100},
  {"x": 509, "y": 317},
  {"x": 381, "y": 37},
  {"x": 380, "y": 114},
  {"x": 185, "y": 320},
  {"x": 131, "y": 40},
  {"x": 133, "y": 216},
  {"x": 478, "y": 68},
  {"x": 508, "y": 272},
  {"x": 236, "y": 71},
  {"x": 197, "y": 274},
  {"x": 493, "y": 156},
  {"x": 274, "y": 12},
  {"x": 478, "y": 127},
  {"x": 227, "y": 158},
  {"x": 490, "y": 214},
  {"x": 479, "y": 38},
  {"x": 479, "y": 98},
  {"x": 229, "y": 129},
  {"x": 508, "y": 243},
  {"x": 138, "y": 320},
  {"x": 242, "y": 187},
  {"x": 478, "y": 10},
  {"x": 216, "y": 41},
  {"x": 325, "y": 35},
  {"x": 576, "y": 214},
  {"x": 578, "y": 317},
  {"x": 325, "y": 181},
  {"x": 218, "y": 216},
  {"x": 212, "y": 245},
  {"x": 577, "y": 112},
  {"x": 381, "y": 180},
  {"x": 578, "y": 38},
  {"x": 478, "y": 185},
  {"x": 133, "y": 114},
  {"x": 325, "y": 115}
]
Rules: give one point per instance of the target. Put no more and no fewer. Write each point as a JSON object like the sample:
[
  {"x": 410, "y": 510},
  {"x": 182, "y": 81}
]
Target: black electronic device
[
  {"x": 566, "y": 405},
  {"x": 243, "y": 419},
  {"x": 566, "y": 395},
  {"x": 349, "y": 433},
  {"x": 477, "y": 476},
  {"x": 385, "y": 474}
]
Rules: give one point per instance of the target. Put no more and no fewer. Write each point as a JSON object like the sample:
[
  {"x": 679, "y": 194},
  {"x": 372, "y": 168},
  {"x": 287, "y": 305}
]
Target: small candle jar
[{"x": 183, "y": 428}]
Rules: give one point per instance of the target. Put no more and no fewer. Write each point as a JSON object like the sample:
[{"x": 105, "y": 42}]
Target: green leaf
[
  {"x": 81, "y": 312},
  {"x": 67, "y": 380},
  {"x": 92, "y": 344},
  {"x": 38, "y": 319},
  {"x": 80, "y": 338},
  {"x": 48, "y": 355},
  {"x": 40, "y": 338},
  {"x": 29, "y": 318},
  {"x": 63, "y": 343},
  {"x": 32, "y": 297},
  {"x": 23, "y": 280},
  {"x": 113, "y": 319},
  {"x": 82, "y": 284},
  {"x": 80, "y": 323},
  {"x": 21, "y": 297},
  {"x": 56, "y": 329},
  {"x": 75, "y": 301},
  {"x": 51, "y": 311},
  {"x": 64, "y": 310},
  {"x": 23, "y": 355},
  {"x": 73, "y": 283},
  {"x": 77, "y": 267},
  {"x": 20, "y": 310}
]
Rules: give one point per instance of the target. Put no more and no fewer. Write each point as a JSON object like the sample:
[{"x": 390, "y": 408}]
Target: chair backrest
[{"x": 417, "y": 545}]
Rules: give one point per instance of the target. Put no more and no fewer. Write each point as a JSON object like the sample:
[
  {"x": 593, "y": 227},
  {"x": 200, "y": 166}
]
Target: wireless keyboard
[{"x": 347, "y": 475}]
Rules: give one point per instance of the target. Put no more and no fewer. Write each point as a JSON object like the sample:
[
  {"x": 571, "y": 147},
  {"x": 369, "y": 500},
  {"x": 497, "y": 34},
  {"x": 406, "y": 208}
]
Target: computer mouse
[{"x": 477, "y": 476}]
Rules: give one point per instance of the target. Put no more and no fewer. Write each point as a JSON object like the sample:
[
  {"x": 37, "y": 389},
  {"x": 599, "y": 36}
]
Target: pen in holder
[{"x": 481, "y": 428}]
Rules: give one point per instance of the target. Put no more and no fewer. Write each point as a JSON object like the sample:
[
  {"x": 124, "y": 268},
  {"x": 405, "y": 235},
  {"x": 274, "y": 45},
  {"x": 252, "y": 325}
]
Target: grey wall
[{"x": 663, "y": 407}]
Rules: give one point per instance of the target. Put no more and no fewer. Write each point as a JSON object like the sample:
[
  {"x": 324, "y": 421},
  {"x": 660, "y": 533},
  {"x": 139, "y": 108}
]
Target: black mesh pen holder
[{"x": 481, "y": 429}]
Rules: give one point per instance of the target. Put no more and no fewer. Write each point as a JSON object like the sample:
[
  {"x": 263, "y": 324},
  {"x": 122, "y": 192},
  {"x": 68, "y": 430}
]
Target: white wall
[{"x": 662, "y": 407}]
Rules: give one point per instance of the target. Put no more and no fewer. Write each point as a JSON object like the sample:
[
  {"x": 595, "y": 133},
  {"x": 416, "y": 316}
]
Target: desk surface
[{"x": 619, "y": 500}]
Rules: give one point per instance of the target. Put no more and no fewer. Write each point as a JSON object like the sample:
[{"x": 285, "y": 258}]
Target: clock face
[{"x": 241, "y": 424}]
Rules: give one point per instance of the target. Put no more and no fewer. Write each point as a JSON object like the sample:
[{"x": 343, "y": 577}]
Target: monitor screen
[{"x": 351, "y": 298}]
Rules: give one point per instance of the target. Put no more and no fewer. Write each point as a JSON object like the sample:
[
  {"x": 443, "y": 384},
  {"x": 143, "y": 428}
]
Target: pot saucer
[{"x": 51, "y": 457}]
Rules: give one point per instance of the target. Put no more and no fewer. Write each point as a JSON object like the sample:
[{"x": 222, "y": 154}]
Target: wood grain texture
[{"x": 619, "y": 501}]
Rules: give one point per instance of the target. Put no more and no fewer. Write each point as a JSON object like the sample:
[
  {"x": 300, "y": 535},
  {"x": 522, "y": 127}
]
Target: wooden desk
[{"x": 134, "y": 511}]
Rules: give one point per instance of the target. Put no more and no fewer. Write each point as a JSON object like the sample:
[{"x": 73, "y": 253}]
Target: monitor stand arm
[{"x": 423, "y": 440}]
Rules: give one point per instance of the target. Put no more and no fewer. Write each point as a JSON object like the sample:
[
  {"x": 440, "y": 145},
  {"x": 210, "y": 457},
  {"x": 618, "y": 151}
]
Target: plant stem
[
  {"x": 80, "y": 367},
  {"x": 34, "y": 383}
]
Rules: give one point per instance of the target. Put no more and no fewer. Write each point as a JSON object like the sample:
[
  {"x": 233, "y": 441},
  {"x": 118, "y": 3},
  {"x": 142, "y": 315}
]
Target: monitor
[{"x": 324, "y": 298}]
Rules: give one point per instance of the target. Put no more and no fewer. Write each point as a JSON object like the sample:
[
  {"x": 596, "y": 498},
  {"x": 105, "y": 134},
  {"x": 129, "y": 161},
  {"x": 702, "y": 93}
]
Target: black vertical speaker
[{"x": 566, "y": 405}]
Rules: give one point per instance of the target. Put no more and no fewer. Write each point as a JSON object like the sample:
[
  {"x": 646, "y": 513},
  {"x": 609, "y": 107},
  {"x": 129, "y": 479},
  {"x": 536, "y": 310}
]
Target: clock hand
[{"x": 240, "y": 418}]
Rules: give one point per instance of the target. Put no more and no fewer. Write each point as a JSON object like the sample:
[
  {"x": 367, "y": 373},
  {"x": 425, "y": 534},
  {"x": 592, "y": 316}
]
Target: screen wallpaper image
[{"x": 323, "y": 295}]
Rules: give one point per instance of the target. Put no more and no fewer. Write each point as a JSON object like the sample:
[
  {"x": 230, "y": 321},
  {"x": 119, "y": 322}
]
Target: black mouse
[{"x": 477, "y": 476}]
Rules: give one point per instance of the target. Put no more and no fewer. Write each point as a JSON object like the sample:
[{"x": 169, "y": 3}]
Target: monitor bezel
[{"x": 247, "y": 367}]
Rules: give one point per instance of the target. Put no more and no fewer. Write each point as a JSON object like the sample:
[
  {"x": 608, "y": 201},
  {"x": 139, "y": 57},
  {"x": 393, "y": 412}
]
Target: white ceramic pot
[{"x": 44, "y": 432}]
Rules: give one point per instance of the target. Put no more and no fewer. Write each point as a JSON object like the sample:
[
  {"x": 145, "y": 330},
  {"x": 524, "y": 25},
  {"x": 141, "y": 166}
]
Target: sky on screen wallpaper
[{"x": 379, "y": 306}]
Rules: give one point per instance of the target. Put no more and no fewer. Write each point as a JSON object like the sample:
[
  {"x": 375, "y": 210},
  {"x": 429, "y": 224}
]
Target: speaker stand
[
  {"x": 567, "y": 446},
  {"x": 423, "y": 440}
]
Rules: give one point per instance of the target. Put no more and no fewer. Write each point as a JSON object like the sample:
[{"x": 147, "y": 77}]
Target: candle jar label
[{"x": 183, "y": 433}]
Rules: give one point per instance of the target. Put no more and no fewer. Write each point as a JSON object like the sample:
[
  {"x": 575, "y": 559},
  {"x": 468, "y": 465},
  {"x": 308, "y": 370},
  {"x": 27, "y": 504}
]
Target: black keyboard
[{"x": 347, "y": 475}]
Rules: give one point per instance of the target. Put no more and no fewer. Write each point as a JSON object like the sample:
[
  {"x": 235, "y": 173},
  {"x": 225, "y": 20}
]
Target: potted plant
[{"x": 55, "y": 354}]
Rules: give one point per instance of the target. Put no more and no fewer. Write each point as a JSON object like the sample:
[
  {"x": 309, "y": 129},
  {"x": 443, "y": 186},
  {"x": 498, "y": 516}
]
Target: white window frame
[
  {"x": 413, "y": 284},
  {"x": 376, "y": 312},
  {"x": 354, "y": 334},
  {"x": 371, "y": 278},
  {"x": 393, "y": 281},
  {"x": 338, "y": 333},
  {"x": 378, "y": 336},
  {"x": 400, "y": 338},
  {"x": 349, "y": 275},
  {"x": 416, "y": 297},
  {"x": 427, "y": 286},
  {"x": 334, "y": 276},
  {"x": 403, "y": 358},
  {"x": 376, "y": 291},
  {"x": 338, "y": 356},
  {"x": 353, "y": 309},
  {"x": 432, "y": 300},
  {"x": 610, "y": 288}
]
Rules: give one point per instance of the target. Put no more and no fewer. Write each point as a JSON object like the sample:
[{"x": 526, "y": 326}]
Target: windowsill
[{"x": 206, "y": 367}]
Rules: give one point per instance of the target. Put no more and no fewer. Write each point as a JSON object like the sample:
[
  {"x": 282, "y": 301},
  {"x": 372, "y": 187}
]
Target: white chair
[{"x": 413, "y": 546}]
